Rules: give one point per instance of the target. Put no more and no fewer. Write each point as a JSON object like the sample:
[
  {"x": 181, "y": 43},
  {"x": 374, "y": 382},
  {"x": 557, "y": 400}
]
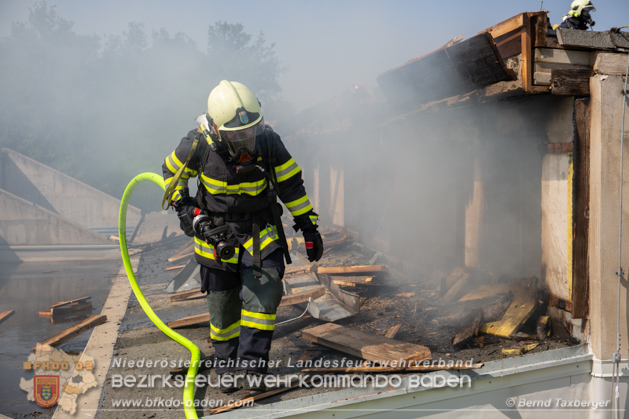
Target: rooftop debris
[
  {"x": 364, "y": 345},
  {"x": 352, "y": 270},
  {"x": 392, "y": 331},
  {"x": 520, "y": 349},
  {"x": 191, "y": 270},
  {"x": 302, "y": 297},
  {"x": 6, "y": 314},
  {"x": 66, "y": 311},
  {"x": 192, "y": 294},
  {"x": 333, "y": 305},
  {"x": 195, "y": 320},
  {"x": 73, "y": 331},
  {"x": 172, "y": 268},
  {"x": 523, "y": 305}
]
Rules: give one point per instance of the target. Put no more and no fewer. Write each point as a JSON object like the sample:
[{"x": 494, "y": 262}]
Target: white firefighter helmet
[
  {"x": 236, "y": 116},
  {"x": 578, "y": 6}
]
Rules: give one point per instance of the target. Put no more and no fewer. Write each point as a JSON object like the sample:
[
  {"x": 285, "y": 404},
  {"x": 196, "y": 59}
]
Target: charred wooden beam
[
  {"x": 581, "y": 209},
  {"x": 570, "y": 82}
]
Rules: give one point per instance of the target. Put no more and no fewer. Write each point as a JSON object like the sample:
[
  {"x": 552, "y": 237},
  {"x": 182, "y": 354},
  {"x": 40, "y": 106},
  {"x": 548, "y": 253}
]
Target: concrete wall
[
  {"x": 605, "y": 138},
  {"x": 59, "y": 193},
  {"x": 24, "y": 223}
]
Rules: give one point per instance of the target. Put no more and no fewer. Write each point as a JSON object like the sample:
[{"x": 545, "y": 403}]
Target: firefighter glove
[
  {"x": 314, "y": 245},
  {"x": 186, "y": 210}
]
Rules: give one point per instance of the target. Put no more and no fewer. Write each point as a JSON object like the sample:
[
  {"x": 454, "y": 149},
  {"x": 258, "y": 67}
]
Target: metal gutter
[
  {"x": 61, "y": 252},
  {"x": 490, "y": 388}
]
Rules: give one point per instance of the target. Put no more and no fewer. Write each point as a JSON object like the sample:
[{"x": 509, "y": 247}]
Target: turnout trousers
[{"x": 242, "y": 312}]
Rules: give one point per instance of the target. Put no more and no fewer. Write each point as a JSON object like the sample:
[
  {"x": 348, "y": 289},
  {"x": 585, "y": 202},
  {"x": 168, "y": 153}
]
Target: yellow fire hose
[{"x": 188, "y": 391}]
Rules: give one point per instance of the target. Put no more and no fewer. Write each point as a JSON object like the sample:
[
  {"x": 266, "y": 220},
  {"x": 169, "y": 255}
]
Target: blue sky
[{"x": 326, "y": 45}]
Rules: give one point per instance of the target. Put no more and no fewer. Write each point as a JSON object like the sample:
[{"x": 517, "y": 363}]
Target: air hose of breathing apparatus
[{"x": 188, "y": 391}]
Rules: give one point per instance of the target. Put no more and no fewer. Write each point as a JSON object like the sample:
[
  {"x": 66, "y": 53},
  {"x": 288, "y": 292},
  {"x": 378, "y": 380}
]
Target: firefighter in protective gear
[
  {"x": 579, "y": 16},
  {"x": 240, "y": 163}
]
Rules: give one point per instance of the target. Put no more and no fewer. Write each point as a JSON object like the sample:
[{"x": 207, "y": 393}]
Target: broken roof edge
[
  {"x": 494, "y": 375},
  {"x": 480, "y": 66}
]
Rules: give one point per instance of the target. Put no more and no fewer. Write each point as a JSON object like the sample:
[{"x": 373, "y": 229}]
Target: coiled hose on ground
[{"x": 188, "y": 391}]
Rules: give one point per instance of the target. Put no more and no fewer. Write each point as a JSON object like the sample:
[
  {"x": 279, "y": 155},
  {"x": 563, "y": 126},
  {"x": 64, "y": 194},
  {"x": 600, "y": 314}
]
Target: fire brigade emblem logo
[
  {"x": 46, "y": 389},
  {"x": 243, "y": 117}
]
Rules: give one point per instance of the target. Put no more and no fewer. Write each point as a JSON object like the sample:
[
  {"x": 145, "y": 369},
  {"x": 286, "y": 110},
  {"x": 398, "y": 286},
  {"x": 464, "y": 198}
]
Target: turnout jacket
[{"x": 241, "y": 199}]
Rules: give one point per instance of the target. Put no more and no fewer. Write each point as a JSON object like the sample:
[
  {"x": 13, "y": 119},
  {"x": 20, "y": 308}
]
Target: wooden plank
[
  {"x": 302, "y": 297},
  {"x": 580, "y": 220},
  {"x": 368, "y": 282},
  {"x": 570, "y": 82},
  {"x": 73, "y": 331},
  {"x": 392, "y": 331},
  {"x": 44, "y": 314},
  {"x": 189, "y": 321},
  {"x": 187, "y": 295},
  {"x": 299, "y": 270},
  {"x": 517, "y": 314},
  {"x": 74, "y": 309},
  {"x": 505, "y": 26},
  {"x": 364, "y": 345},
  {"x": 172, "y": 268},
  {"x": 6, "y": 314},
  {"x": 541, "y": 25},
  {"x": 527, "y": 55},
  {"x": 63, "y": 303},
  {"x": 352, "y": 270}
]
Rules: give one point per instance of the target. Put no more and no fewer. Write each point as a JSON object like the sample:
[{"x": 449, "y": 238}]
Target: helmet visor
[{"x": 242, "y": 140}]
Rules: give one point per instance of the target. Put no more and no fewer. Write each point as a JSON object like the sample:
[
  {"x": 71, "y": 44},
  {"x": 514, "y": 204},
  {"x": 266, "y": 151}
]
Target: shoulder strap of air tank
[{"x": 173, "y": 183}]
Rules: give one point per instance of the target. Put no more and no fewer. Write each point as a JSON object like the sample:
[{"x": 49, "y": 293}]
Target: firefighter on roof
[
  {"x": 241, "y": 165},
  {"x": 579, "y": 15}
]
